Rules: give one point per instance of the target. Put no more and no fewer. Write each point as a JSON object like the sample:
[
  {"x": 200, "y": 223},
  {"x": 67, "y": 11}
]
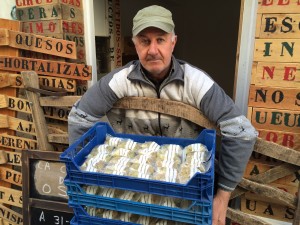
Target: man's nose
[{"x": 152, "y": 48}]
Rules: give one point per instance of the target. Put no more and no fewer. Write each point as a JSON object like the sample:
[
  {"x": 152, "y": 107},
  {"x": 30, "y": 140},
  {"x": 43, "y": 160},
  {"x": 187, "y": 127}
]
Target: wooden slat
[
  {"x": 272, "y": 97},
  {"x": 15, "y": 80},
  {"x": 277, "y": 50},
  {"x": 22, "y": 3},
  {"x": 268, "y": 177},
  {"x": 276, "y": 74},
  {"x": 276, "y": 119},
  {"x": 38, "y": 43},
  {"x": 288, "y": 139},
  {"x": 14, "y": 158},
  {"x": 46, "y": 67},
  {"x": 279, "y": 26},
  {"x": 4, "y": 121},
  {"x": 3, "y": 157},
  {"x": 60, "y": 114},
  {"x": 65, "y": 101},
  {"x": 16, "y": 143},
  {"x": 277, "y": 151},
  {"x": 4, "y": 37},
  {"x": 50, "y": 12},
  {"x": 58, "y": 138},
  {"x": 10, "y": 80},
  {"x": 10, "y": 215},
  {"x": 11, "y": 197},
  {"x": 297, "y": 212},
  {"x": 30, "y": 79},
  {"x": 266, "y": 209},
  {"x": 11, "y": 176},
  {"x": 270, "y": 192},
  {"x": 244, "y": 218},
  {"x": 16, "y": 104},
  {"x": 278, "y": 6},
  {"x": 17, "y": 124},
  {"x": 165, "y": 106},
  {"x": 257, "y": 167},
  {"x": 48, "y": 27}
]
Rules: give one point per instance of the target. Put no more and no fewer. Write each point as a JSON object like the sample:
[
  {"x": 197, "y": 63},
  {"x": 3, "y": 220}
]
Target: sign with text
[
  {"x": 277, "y": 50},
  {"x": 38, "y": 43},
  {"x": 288, "y": 139},
  {"x": 56, "y": 113},
  {"x": 17, "y": 124},
  {"x": 14, "y": 158},
  {"x": 48, "y": 179},
  {"x": 80, "y": 46},
  {"x": 276, "y": 98},
  {"x": 276, "y": 6},
  {"x": 275, "y": 119},
  {"x": 17, "y": 143},
  {"x": 50, "y": 12},
  {"x": 10, "y": 215},
  {"x": 15, "y": 80},
  {"x": 14, "y": 103},
  {"x": 10, "y": 196},
  {"x": 27, "y": 3},
  {"x": 50, "y": 217},
  {"x": 255, "y": 167},
  {"x": 269, "y": 210},
  {"x": 279, "y": 26},
  {"x": 53, "y": 27},
  {"x": 276, "y": 74},
  {"x": 11, "y": 176},
  {"x": 46, "y": 67}
]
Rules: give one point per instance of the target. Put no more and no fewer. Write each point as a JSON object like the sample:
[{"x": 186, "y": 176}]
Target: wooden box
[{"x": 50, "y": 12}]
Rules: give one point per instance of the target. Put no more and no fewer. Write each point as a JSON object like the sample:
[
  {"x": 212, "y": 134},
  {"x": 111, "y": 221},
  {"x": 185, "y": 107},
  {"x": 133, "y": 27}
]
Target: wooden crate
[
  {"x": 22, "y": 3},
  {"x": 279, "y": 25},
  {"x": 277, "y": 50},
  {"x": 275, "y": 119},
  {"x": 274, "y": 98},
  {"x": 288, "y": 139},
  {"x": 276, "y": 74},
  {"x": 268, "y": 210},
  {"x": 50, "y": 12},
  {"x": 53, "y": 27},
  {"x": 275, "y": 6},
  {"x": 258, "y": 166}
]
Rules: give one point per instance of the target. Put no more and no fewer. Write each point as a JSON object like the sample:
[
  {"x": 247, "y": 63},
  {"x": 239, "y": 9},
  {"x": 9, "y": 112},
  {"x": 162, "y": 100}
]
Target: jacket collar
[{"x": 176, "y": 72}]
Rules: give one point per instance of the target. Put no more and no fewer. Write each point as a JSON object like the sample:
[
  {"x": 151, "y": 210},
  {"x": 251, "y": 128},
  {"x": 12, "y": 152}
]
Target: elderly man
[{"x": 158, "y": 74}]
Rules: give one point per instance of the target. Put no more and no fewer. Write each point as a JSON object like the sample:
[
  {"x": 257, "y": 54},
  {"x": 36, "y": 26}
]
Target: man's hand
[{"x": 220, "y": 205}]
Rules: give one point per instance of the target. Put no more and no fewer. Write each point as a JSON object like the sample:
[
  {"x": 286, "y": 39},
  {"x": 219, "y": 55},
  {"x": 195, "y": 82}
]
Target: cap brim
[{"x": 158, "y": 24}]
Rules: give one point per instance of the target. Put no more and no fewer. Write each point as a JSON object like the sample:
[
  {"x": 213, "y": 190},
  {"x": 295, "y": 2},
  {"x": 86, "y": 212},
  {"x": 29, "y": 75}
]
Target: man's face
[{"x": 154, "y": 48}]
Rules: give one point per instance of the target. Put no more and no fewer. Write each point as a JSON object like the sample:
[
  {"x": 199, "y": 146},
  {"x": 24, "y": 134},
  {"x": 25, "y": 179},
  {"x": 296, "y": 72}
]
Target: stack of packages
[{"x": 148, "y": 180}]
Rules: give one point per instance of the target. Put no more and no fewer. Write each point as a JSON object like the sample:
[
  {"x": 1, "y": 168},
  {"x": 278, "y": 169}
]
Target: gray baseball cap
[{"x": 153, "y": 16}]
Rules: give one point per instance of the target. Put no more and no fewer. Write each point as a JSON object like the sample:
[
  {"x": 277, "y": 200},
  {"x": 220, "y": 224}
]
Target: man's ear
[{"x": 174, "y": 41}]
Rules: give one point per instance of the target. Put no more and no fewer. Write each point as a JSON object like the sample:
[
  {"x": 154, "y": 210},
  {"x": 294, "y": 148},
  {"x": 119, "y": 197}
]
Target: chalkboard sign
[
  {"x": 44, "y": 193},
  {"x": 47, "y": 217},
  {"x": 47, "y": 180}
]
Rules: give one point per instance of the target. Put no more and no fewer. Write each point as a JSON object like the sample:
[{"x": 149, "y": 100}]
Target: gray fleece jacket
[{"x": 186, "y": 84}]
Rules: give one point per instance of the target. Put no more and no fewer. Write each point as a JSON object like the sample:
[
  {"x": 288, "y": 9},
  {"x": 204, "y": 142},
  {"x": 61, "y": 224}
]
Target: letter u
[
  {"x": 258, "y": 117},
  {"x": 28, "y": 41}
]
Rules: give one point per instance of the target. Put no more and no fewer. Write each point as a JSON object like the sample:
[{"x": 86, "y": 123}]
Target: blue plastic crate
[
  {"x": 197, "y": 213},
  {"x": 199, "y": 188},
  {"x": 82, "y": 218}
]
